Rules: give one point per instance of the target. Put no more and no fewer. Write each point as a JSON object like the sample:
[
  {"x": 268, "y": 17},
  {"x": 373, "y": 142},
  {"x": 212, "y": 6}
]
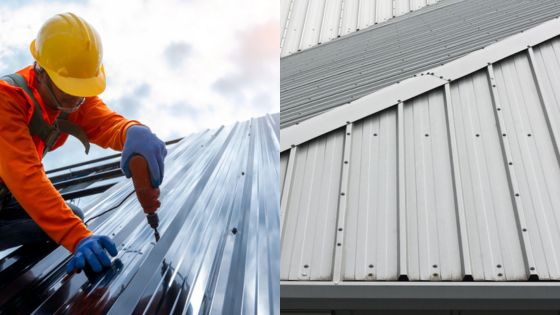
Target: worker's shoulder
[{"x": 12, "y": 100}]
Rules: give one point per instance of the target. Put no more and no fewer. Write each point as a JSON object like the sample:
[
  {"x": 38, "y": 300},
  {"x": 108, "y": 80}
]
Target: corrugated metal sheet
[
  {"x": 306, "y": 23},
  {"x": 454, "y": 184},
  {"x": 344, "y": 70},
  {"x": 219, "y": 245}
]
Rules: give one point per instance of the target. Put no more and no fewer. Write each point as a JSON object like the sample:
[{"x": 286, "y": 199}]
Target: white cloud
[{"x": 162, "y": 55}]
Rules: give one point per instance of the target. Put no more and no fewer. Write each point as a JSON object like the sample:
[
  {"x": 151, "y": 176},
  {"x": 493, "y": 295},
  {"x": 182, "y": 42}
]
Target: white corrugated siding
[
  {"x": 306, "y": 23},
  {"x": 479, "y": 191}
]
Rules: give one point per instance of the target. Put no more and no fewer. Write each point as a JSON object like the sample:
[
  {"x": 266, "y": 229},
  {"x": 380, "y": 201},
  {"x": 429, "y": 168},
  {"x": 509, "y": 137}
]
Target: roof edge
[
  {"x": 327, "y": 295},
  {"x": 423, "y": 82}
]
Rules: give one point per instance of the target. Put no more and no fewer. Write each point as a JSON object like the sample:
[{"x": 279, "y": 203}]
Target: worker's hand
[
  {"x": 140, "y": 140},
  {"x": 91, "y": 250}
]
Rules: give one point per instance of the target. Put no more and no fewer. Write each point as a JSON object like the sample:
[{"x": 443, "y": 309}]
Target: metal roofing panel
[
  {"x": 309, "y": 233},
  {"x": 308, "y": 23},
  {"x": 219, "y": 244},
  {"x": 344, "y": 70},
  {"x": 456, "y": 183}
]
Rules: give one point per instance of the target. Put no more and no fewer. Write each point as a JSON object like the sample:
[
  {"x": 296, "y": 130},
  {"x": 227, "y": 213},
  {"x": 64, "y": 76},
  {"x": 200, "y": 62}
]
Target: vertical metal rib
[
  {"x": 301, "y": 35},
  {"x": 402, "y": 237},
  {"x": 287, "y": 24},
  {"x": 287, "y": 186},
  {"x": 342, "y": 203},
  {"x": 357, "y": 28},
  {"x": 341, "y": 17},
  {"x": 512, "y": 179},
  {"x": 547, "y": 108},
  {"x": 322, "y": 26},
  {"x": 457, "y": 187}
]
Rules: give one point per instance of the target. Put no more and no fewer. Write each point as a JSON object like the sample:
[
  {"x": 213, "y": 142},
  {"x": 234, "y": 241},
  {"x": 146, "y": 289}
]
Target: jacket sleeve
[
  {"x": 22, "y": 172},
  {"x": 103, "y": 126}
]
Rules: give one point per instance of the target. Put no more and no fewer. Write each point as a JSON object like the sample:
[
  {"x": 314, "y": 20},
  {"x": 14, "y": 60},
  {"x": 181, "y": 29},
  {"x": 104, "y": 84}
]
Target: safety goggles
[{"x": 71, "y": 103}]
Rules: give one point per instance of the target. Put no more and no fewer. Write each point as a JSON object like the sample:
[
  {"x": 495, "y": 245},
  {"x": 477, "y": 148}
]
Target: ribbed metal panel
[
  {"x": 344, "y": 70},
  {"x": 309, "y": 232},
  {"x": 307, "y": 23},
  {"x": 219, "y": 246},
  {"x": 466, "y": 188}
]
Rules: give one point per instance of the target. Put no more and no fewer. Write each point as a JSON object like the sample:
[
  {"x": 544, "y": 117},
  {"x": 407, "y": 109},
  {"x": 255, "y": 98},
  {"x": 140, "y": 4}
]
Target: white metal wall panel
[
  {"x": 534, "y": 161},
  {"x": 331, "y": 21},
  {"x": 283, "y": 166},
  {"x": 433, "y": 246},
  {"x": 492, "y": 233},
  {"x": 308, "y": 236},
  {"x": 307, "y": 23},
  {"x": 371, "y": 220}
]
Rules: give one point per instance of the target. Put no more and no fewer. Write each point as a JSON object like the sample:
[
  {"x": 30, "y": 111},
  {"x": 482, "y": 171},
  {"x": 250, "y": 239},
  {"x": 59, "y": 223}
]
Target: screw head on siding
[
  {"x": 532, "y": 268},
  {"x": 305, "y": 266},
  {"x": 478, "y": 135},
  {"x": 340, "y": 229},
  {"x": 345, "y": 162},
  {"x": 234, "y": 230},
  {"x": 524, "y": 230},
  {"x": 435, "y": 266},
  {"x": 375, "y": 135},
  {"x": 516, "y": 195},
  {"x": 342, "y": 194},
  {"x": 338, "y": 244},
  {"x": 499, "y": 266},
  {"x": 427, "y": 135},
  {"x": 500, "y": 274}
]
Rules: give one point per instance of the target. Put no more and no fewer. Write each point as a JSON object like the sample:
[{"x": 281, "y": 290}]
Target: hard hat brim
[{"x": 83, "y": 87}]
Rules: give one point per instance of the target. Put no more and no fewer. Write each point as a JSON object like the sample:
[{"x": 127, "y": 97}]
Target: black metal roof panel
[
  {"x": 219, "y": 246},
  {"x": 341, "y": 71}
]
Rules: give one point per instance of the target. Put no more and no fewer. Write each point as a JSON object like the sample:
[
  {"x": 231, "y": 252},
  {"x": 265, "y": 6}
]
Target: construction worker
[{"x": 40, "y": 106}]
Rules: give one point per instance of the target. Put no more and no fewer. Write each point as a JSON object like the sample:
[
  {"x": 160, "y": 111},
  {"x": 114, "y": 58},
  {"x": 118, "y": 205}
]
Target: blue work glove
[
  {"x": 140, "y": 140},
  {"x": 92, "y": 250}
]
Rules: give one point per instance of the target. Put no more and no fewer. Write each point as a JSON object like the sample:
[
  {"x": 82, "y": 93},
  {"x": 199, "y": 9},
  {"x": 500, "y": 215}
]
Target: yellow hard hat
[{"x": 70, "y": 50}]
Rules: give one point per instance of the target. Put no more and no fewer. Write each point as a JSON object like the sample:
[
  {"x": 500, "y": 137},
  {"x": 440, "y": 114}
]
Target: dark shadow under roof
[{"x": 344, "y": 70}]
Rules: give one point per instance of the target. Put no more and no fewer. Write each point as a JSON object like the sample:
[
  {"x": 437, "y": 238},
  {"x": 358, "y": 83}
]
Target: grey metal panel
[
  {"x": 490, "y": 220},
  {"x": 308, "y": 235},
  {"x": 219, "y": 246},
  {"x": 344, "y": 70},
  {"x": 433, "y": 246},
  {"x": 534, "y": 161},
  {"x": 329, "y": 19},
  {"x": 371, "y": 219}
]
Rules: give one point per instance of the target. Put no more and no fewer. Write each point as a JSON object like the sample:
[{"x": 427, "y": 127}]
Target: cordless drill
[{"x": 146, "y": 193}]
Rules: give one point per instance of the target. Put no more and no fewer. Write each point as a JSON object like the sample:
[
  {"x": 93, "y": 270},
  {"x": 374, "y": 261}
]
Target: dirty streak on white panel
[
  {"x": 433, "y": 245},
  {"x": 534, "y": 161},
  {"x": 371, "y": 216},
  {"x": 314, "y": 21},
  {"x": 495, "y": 248},
  {"x": 308, "y": 236}
]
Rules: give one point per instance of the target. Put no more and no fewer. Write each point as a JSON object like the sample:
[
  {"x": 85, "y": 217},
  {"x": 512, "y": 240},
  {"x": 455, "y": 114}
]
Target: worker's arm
[
  {"x": 103, "y": 126},
  {"x": 23, "y": 173}
]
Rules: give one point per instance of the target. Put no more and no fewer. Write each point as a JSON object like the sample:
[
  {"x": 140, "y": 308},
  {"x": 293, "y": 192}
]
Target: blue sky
[{"x": 178, "y": 66}]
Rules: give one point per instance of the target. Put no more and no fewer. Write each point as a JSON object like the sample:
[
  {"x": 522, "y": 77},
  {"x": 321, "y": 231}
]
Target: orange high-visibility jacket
[{"x": 21, "y": 169}]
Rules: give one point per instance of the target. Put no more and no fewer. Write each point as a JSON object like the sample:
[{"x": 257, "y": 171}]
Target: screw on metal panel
[
  {"x": 338, "y": 244},
  {"x": 305, "y": 266},
  {"x": 510, "y": 163},
  {"x": 347, "y": 133},
  {"x": 427, "y": 135},
  {"x": 498, "y": 108},
  {"x": 524, "y": 230},
  {"x": 293, "y": 145},
  {"x": 435, "y": 266},
  {"x": 532, "y": 268},
  {"x": 357, "y": 29},
  {"x": 516, "y": 195},
  {"x": 345, "y": 162},
  {"x": 478, "y": 135},
  {"x": 499, "y": 266},
  {"x": 342, "y": 194},
  {"x": 441, "y": 77},
  {"x": 500, "y": 274},
  {"x": 370, "y": 274},
  {"x": 340, "y": 229},
  {"x": 398, "y": 101},
  {"x": 435, "y": 274},
  {"x": 242, "y": 173},
  {"x": 493, "y": 85},
  {"x": 503, "y": 134},
  {"x": 528, "y": 135},
  {"x": 371, "y": 266},
  {"x": 234, "y": 230},
  {"x": 375, "y": 135}
]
